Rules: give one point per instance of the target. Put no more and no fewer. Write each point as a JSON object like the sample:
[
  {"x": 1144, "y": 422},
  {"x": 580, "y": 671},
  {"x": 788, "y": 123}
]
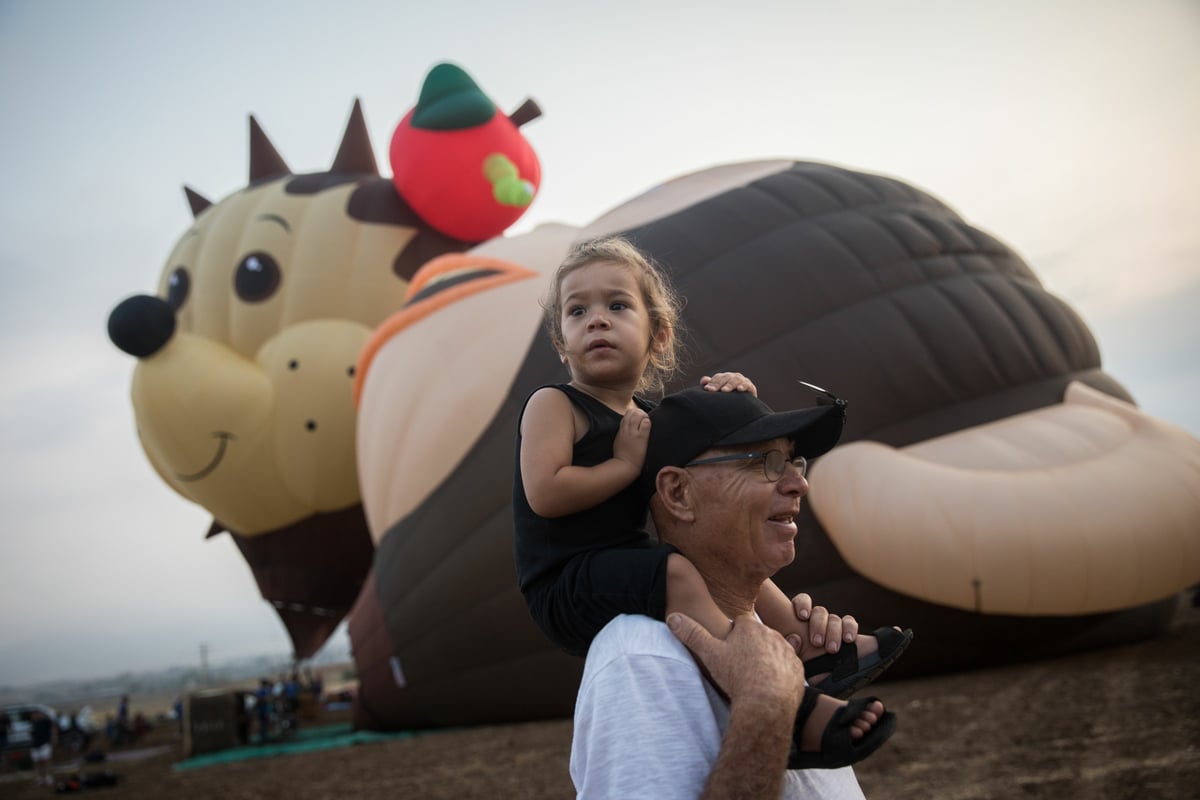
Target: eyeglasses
[{"x": 774, "y": 462}]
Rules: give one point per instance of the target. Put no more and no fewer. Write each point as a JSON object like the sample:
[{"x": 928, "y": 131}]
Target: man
[
  {"x": 647, "y": 723},
  {"x": 41, "y": 746},
  {"x": 263, "y": 702},
  {"x": 124, "y": 730},
  {"x": 4, "y": 725}
]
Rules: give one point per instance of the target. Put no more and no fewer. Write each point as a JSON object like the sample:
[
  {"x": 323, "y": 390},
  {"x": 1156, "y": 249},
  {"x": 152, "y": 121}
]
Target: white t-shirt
[{"x": 648, "y": 725}]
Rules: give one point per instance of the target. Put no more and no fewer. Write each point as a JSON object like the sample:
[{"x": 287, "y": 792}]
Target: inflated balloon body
[
  {"x": 981, "y": 495},
  {"x": 461, "y": 164},
  {"x": 246, "y": 357}
]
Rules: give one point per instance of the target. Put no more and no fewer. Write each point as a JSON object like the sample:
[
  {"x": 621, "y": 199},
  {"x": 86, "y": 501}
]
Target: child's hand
[
  {"x": 729, "y": 382},
  {"x": 632, "y": 438}
]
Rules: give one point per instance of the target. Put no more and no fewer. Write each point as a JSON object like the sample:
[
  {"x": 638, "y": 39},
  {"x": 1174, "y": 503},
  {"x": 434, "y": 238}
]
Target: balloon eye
[
  {"x": 178, "y": 287},
  {"x": 257, "y": 277}
]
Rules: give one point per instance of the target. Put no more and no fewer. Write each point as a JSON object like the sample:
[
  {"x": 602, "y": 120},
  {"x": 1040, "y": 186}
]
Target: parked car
[{"x": 20, "y": 720}]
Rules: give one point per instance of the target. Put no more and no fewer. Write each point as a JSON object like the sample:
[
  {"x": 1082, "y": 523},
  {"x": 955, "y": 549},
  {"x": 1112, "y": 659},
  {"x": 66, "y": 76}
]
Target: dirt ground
[{"x": 1118, "y": 723}]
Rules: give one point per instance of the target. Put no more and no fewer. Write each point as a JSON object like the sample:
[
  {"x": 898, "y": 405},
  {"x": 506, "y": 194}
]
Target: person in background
[
  {"x": 315, "y": 685},
  {"x": 139, "y": 727},
  {"x": 4, "y": 725},
  {"x": 123, "y": 729},
  {"x": 263, "y": 700},
  {"x": 291, "y": 692},
  {"x": 41, "y": 747}
]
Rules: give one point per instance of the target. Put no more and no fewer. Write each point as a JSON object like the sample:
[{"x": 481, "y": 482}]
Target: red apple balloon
[{"x": 462, "y": 164}]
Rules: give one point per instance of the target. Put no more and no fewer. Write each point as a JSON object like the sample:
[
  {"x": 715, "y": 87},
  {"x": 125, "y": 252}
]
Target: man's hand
[
  {"x": 764, "y": 682},
  {"x": 752, "y": 665}
]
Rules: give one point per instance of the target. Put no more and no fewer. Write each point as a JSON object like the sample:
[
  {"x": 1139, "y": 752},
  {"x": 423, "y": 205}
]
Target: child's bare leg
[
  {"x": 687, "y": 593},
  {"x": 776, "y": 610}
]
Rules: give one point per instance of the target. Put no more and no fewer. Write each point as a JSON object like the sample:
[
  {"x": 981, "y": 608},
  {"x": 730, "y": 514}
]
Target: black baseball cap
[{"x": 687, "y": 423}]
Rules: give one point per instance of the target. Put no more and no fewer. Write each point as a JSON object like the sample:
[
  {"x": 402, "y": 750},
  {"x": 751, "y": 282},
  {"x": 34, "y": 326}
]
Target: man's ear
[{"x": 674, "y": 493}]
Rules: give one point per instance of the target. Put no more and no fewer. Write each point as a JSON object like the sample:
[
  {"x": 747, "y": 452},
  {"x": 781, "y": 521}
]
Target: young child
[{"x": 582, "y": 553}]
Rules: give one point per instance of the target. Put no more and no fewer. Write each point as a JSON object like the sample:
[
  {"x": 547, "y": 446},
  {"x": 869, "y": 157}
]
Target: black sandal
[
  {"x": 848, "y": 673},
  {"x": 838, "y": 748}
]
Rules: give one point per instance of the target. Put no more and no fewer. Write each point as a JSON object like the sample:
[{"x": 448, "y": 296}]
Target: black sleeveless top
[{"x": 542, "y": 545}]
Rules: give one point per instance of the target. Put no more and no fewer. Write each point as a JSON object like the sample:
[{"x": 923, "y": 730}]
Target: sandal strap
[
  {"x": 838, "y": 747},
  {"x": 841, "y": 664},
  {"x": 849, "y": 672}
]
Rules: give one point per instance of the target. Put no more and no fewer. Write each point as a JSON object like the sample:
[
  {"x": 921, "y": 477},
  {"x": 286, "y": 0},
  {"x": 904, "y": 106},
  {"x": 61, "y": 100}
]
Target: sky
[{"x": 1068, "y": 130}]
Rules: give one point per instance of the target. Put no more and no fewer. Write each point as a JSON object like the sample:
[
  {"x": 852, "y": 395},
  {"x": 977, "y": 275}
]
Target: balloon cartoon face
[
  {"x": 246, "y": 407},
  {"x": 243, "y": 390},
  {"x": 240, "y": 411}
]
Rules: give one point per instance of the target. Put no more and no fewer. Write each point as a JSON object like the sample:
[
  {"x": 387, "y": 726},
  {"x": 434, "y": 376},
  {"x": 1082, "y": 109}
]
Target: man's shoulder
[{"x": 634, "y": 635}]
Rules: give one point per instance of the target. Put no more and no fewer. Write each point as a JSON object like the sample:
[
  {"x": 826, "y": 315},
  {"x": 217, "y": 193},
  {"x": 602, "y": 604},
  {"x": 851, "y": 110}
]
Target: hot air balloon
[
  {"x": 333, "y": 364},
  {"x": 948, "y": 350},
  {"x": 246, "y": 357}
]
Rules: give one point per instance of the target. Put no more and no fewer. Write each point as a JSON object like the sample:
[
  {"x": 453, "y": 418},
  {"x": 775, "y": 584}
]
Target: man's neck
[{"x": 734, "y": 598}]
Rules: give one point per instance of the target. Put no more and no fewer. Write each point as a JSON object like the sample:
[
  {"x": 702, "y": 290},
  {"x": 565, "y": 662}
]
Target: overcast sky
[{"x": 1067, "y": 129}]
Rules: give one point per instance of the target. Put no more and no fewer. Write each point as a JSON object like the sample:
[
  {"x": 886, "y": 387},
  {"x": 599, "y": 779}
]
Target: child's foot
[
  {"x": 832, "y": 733},
  {"x": 856, "y": 663}
]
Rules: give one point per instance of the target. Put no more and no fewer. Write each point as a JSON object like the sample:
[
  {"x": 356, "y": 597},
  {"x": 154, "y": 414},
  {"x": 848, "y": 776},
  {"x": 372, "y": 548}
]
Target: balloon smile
[{"x": 223, "y": 438}]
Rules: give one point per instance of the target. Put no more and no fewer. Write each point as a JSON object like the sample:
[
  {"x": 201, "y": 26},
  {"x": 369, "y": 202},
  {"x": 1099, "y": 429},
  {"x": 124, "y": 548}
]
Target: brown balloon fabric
[
  {"x": 860, "y": 283},
  {"x": 311, "y": 572}
]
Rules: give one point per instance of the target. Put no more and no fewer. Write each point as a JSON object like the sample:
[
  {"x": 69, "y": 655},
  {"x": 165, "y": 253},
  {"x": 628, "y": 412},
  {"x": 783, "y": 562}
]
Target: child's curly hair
[{"x": 663, "y": 304}]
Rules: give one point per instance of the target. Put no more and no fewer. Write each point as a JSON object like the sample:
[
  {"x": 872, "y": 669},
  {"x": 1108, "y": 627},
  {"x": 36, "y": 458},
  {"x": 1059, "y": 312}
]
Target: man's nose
[{"x": 793, "y": 482}]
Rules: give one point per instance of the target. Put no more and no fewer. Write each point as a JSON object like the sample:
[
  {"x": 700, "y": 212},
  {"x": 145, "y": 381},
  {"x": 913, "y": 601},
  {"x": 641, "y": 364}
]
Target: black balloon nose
[{"x": 141, "y": 325}]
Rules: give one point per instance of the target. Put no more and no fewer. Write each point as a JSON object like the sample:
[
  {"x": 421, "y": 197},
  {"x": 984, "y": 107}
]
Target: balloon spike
[
  {"x": 265, "y": 161},
  {"x": 196, "y": 201},
  {"x": 355, "y": 153}
]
